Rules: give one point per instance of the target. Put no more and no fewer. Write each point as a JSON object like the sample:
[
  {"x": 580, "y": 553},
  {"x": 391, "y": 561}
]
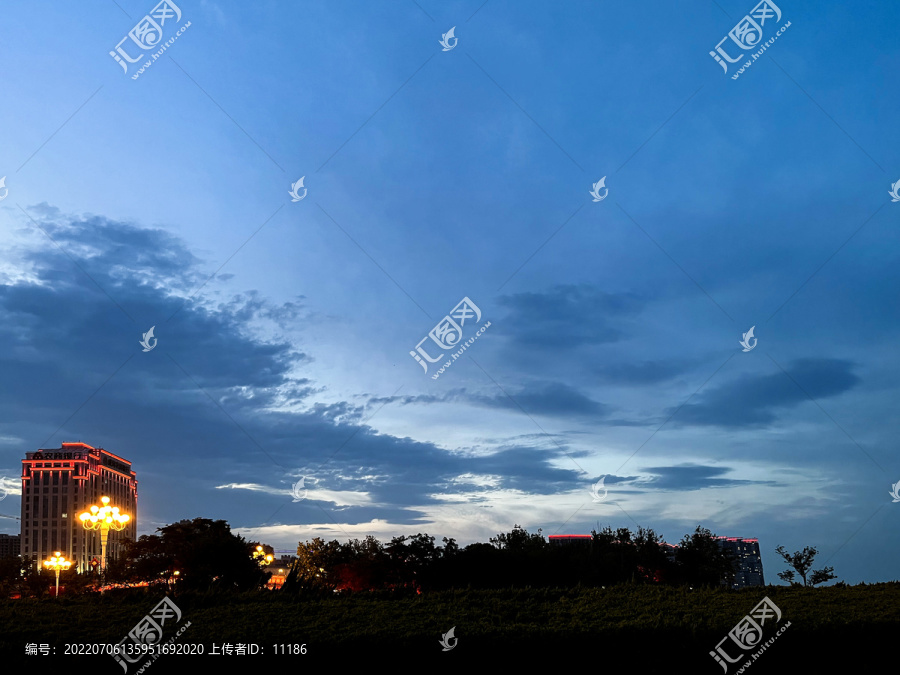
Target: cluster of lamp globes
[
  {"x": 107, "y": 516},
  {"x": 57, "y": 563},
  {"x": 103, "y": 518},
  {"x": 263, "y": 558}
]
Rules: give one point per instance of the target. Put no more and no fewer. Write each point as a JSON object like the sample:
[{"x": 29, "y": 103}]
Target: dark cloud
[
  {"x": 206, "y": 407},
  {"x": 756, "y": 400},
  {"x": 567, "y": 316},
  {"x": 694, "y": 477},
  {"x": 641, "y": 373},
  {"x": 552, "y": 399}
]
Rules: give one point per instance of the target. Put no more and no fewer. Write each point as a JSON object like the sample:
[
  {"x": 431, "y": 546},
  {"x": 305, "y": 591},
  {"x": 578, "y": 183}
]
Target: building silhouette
[
  {"x": 748, "y": 570},
  {"x": 57, "y": 486},
  {"x": 9, "y": 545}
]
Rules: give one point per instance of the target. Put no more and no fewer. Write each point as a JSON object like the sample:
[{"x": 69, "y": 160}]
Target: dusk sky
[{"x": 285, "y": 327}]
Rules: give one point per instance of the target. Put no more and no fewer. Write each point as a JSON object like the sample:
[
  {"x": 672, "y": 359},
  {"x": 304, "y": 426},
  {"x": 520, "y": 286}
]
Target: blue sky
[{"x": 285, "y": 328}]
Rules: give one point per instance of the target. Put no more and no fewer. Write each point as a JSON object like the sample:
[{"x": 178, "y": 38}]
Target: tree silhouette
[
  {"x": 205, "y": 553},
  {"x": 703, "y": 562},
  {"x": 802, "y": 562}
]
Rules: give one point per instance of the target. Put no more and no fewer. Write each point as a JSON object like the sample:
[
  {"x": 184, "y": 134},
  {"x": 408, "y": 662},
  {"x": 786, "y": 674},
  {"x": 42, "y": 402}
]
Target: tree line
[
  {"x": 513, "y": 559},
  {"x": 203, "y": 554}
]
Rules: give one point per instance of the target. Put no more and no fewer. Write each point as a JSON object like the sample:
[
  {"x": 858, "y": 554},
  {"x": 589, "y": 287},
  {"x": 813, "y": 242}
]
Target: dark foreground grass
[{"x": 651, "y": 629}]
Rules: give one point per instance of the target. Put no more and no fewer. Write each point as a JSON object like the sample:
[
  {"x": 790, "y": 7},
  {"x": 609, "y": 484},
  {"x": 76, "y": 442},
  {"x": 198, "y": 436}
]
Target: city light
[
  {"x": 104, "y": 518},
  {"x": 263, "y": 558},
  {"x": 57, "y": 562}
]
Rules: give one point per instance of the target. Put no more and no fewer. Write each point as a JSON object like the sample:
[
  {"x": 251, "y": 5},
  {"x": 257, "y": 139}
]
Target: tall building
[
  {"x": 748, "y": 569},
  {"x": 9, "y": 545},
  {"x": 58, "y": 485}
]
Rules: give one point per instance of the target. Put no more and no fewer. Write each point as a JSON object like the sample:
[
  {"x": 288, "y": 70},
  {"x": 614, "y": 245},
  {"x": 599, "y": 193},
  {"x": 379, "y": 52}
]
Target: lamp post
[
  {"x": 104, "y": 519},
  {"x": 57, "y": 562},
  {"x": 263, "y": 558}
]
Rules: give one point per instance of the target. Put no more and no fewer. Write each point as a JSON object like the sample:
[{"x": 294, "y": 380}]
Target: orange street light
[
  {"x": 263, "y": 558},
  {"x": 104, "y": 519},
  {"x": 57, "y": 562}
]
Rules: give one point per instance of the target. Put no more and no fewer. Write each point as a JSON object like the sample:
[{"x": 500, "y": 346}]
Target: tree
[
  {"x": 315, "y": 565},
  {"x": 204, "y": 553},
  {"x": 703, "y": 562},
  {"x": 10, "y": 575},
  {"x": 363, "y": 565},
  {"x": 147, "y": 559},
  {"x": 519, "y": 541},
  {"x": 650, "y": 554},
  {"x": 451, "y": 548},
  {"x": 612, "y": 557},
  {"x": 36, "y": 579},
  {"x": 802, "y": 562}
]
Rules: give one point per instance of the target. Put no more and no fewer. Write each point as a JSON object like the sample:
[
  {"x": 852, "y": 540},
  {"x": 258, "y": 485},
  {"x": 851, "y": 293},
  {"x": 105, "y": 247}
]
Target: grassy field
[{"x": 652, "y": 626}]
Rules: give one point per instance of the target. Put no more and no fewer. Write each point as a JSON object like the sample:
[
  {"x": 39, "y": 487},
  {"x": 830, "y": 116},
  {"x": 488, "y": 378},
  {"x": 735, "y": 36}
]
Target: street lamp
[
  {"x": 104, "y": 519},
  {"x": 263, "y": 558},
  {"x": 57, "y": 562}
]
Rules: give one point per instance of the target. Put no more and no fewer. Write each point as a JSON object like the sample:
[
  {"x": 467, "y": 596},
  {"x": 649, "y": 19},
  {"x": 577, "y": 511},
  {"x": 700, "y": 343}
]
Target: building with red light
[
  {"x": 280, "y": 569},
  {"x": 748, "y": 569},
  {"x": 559, "y": 539},
  {"x": 58, "y": 485}
]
